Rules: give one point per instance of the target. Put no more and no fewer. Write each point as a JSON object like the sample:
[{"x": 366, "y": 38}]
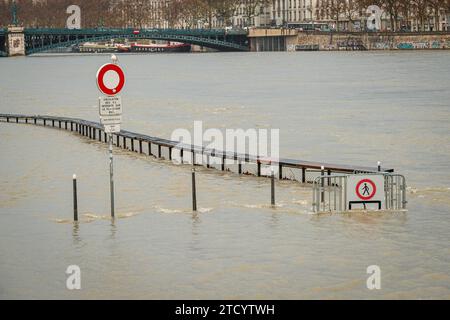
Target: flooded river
[{"x": 349, "y": 108}]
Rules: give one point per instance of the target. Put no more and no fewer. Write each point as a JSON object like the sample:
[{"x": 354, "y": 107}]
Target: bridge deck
[{"x": 94, "y": 130}]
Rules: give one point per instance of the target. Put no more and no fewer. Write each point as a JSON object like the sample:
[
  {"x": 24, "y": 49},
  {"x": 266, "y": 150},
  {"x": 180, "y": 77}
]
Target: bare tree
[
  {"x": 252, "y": 8},
  {"x": 193, "y": 11},
  {"x": 436, "y": 6},
  {"x": 351, "y": 10},
  {"x": 393, "y": 9},
  {"x": 225, "y": 10},
  {"x": 335, "y": 9},
  {"x": 420, "y": 12}
]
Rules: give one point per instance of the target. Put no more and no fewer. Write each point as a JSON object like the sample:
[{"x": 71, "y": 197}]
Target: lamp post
[{"x": 14, "y": 13}]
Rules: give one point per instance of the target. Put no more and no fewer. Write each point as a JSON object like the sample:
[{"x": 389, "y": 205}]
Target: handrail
[
  {"x": 282, "y": 162},
  {"x": 195, "y": 32}
]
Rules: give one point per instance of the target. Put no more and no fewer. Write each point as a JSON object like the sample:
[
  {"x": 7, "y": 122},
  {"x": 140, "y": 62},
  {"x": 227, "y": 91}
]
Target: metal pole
[
  {"x": 111, "y": 173},
  {"x": 75, "y": 199},
  {"x": 322, "y": 184},
  {"x": 194, "y": 192},
  {"x": 379, "y": 166},
  {"x": 272, "y": 178}
]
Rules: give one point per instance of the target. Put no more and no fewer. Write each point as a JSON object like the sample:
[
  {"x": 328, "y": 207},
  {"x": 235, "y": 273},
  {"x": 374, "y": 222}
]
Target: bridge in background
[{"x": 36, "y": 40}]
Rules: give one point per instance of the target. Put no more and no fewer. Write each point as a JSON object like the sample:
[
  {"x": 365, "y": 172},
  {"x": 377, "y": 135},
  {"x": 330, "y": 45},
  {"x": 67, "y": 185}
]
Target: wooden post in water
[
  {"x": 75, "y": 199},
  {"x": 194, "y": 192}
]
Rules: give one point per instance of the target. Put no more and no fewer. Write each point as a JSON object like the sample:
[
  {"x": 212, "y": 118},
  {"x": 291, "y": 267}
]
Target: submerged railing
[{"x": 288, "y": 169}]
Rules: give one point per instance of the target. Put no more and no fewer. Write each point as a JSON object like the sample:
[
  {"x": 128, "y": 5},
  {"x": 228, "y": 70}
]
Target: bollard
[
  {"x": 75, "y": 199},
  {"x": 379, "y": 166},
  {"x": 322, "y": 173},
  {"x": 272, "y": 178},
  {"x": 194, "y": 192}
]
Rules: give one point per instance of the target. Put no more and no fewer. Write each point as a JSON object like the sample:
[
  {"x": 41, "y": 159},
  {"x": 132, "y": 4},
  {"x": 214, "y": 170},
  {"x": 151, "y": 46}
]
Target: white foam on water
[
  {"x": 168, "y": 211},
  {"x": 301, "y": 202}
]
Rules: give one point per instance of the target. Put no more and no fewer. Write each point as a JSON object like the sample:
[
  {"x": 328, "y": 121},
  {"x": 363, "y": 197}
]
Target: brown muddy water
[{"x": 350, "y": 108}]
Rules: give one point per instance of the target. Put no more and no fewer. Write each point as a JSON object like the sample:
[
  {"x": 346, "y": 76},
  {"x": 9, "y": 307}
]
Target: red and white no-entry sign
[
  {"x": 366, "y": 189},
  {"x": 110, "y": 79}
]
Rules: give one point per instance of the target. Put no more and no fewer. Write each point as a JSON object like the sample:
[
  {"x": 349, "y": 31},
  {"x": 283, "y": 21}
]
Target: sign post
[
  {"x": 110, "y": 81},
  {"x": 111, "y": 174}
]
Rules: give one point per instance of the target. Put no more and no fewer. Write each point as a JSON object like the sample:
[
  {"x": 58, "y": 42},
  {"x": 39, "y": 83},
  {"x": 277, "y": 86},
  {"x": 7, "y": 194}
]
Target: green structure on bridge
[{"x": 38, "y": 40}]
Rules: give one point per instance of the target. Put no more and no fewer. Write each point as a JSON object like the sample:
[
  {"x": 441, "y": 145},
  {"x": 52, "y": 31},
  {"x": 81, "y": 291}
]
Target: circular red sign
[
  {"x": 366, "y": 189},
  {"x": 101, "y": 79}
]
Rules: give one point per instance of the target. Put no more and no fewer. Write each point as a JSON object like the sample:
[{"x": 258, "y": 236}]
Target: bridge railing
[{"x": 198, "y": 32}]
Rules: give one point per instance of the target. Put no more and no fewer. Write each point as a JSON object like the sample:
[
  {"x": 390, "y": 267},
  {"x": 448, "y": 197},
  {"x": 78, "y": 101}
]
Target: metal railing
[
  {"x": 330, "y": 192},
  {"x": 288, "y": 169},
  {"x": 395, "y": 189}
]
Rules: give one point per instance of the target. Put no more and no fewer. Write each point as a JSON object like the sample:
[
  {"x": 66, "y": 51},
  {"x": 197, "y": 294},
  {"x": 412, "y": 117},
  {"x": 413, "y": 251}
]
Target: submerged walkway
[{"x": 289, "y": 169}]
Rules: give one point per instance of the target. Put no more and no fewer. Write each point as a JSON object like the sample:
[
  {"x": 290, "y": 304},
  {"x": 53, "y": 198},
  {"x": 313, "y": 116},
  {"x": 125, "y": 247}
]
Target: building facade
[{"x": 277, "y": 13}]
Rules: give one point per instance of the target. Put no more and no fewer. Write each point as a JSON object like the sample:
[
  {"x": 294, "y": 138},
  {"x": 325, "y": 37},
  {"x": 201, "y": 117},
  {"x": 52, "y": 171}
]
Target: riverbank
[{"x": 295, "y": 40}]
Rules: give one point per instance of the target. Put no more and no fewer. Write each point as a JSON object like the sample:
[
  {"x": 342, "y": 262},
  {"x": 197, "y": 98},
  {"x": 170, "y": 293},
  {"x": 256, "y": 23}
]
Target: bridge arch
[{"x": 41, "y": 40}]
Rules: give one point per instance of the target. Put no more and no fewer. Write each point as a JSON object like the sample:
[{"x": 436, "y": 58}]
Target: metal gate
[{"x": 330, "y": 192}]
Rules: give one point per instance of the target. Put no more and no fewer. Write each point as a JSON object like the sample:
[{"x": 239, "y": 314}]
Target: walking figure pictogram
[{"x": 366, "y": 190}]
